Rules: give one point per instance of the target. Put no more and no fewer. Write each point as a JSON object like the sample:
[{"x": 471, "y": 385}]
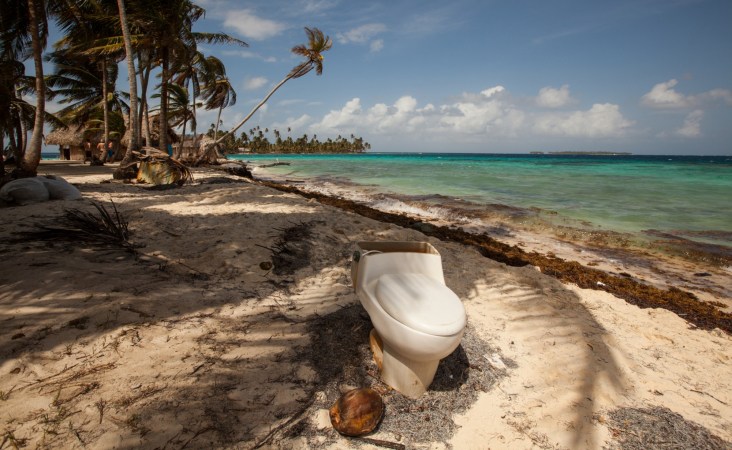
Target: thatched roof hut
[
  {"x": 72, "y": 136},
  {"x": 71, "y": 141}
]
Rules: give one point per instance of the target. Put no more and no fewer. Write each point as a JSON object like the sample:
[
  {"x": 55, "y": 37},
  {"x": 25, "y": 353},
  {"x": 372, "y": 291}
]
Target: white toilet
[{"x": 418, "y": 319}]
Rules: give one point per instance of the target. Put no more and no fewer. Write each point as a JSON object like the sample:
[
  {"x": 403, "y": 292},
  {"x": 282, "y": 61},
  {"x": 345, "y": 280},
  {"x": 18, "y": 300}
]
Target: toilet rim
[{"x": 421, "y": 303}]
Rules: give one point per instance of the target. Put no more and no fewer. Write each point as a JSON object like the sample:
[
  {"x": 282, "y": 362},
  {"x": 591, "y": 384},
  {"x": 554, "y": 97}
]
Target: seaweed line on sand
[{"x": 686, "y": 305}]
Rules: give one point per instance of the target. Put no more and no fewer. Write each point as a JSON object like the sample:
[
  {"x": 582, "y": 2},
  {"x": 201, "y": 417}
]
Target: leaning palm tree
[{"x": 317, "y": 44}]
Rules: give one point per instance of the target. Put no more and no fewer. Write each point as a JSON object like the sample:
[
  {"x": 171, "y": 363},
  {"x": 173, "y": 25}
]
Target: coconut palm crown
[{"x": 317, "y": 44}]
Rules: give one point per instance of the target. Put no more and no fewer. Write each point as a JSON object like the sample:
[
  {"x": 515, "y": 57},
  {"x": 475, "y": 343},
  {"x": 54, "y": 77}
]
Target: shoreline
[
  {"x": 703, "y": 314},
  {"x": 632, "y": 285},
  {"x": 694, "y": 261},
  {"x": 190, "y": 340}
]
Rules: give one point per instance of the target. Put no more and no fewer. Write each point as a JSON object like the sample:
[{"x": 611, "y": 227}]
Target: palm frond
[
  {"x": 217, "y": 38},
  {"x": 104, "y": 228}
]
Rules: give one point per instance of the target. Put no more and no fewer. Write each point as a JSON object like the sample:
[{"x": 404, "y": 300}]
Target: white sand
[{"x": 193, "y": 344}]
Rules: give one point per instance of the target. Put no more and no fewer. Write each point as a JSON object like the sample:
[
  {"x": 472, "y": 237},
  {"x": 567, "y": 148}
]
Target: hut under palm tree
[{"x": 75, "y": 142}]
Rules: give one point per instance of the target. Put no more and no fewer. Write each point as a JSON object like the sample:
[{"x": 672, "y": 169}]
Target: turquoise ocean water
[{"x": 684, "y": 196}]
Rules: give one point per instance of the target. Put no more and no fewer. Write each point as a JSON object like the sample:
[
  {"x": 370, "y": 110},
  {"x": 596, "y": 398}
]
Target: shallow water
[{"x": 687, "y": 197}]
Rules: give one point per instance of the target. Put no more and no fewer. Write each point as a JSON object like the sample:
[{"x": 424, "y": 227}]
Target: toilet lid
[{"x": 421, "y": 303}]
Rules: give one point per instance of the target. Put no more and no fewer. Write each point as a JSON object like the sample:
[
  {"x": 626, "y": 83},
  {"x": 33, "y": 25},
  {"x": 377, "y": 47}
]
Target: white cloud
[
  {"x": 488, "y": 113},
  {"x": 252, "y": 26},
  {"x": 724, "y": 95},
  {"x": 550, "y": 97},
  {"x": 361, "y": 34},
  {"x": 345, "y": 117},
  {"x": 692, "y": 124},
  {"x": 255, "y": 83},
  {"x": 664, "y": 96},
  {"x": 492, "y": 116},
  {"x": 249, "y": 54},
  {"x": 295, "y": 125},
  {"x": 377, "y": 45},
  {"x": 490, "y": 92},
  {"x": 602, "y": 120},
  {"x": 316, "y": 6},
  {"x": 403, "y": 116}
]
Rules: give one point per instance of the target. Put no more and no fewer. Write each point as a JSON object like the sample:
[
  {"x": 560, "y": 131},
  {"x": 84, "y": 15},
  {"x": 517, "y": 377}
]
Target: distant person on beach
[{"x": 87, "y": 151}]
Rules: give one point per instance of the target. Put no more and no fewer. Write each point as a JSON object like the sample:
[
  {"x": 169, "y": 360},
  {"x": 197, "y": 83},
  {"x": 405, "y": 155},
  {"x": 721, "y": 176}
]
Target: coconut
[{"x": 357, "y": 412}]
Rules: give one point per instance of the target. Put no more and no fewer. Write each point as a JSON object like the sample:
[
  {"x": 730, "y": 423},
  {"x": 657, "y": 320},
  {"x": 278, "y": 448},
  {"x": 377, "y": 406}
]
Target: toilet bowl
[{"x": 418, "y": 319}]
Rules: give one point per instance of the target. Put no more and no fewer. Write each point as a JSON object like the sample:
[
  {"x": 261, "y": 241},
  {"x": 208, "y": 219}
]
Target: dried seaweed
[
  {"x": 339, "y": 364},
  {"x": 292, "y": 249},
  {"x": 658, "y": 428}
]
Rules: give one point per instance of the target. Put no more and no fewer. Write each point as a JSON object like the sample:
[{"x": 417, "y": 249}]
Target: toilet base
[{"x": 411, "y": 378}]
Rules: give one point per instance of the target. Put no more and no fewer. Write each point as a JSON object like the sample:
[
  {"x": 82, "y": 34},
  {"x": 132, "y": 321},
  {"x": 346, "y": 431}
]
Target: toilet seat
[{"x": 421, "y": 303}]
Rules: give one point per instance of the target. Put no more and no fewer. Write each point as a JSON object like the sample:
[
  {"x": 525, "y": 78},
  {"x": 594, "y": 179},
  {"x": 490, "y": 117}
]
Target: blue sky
[{"x": 641, "y": 76}]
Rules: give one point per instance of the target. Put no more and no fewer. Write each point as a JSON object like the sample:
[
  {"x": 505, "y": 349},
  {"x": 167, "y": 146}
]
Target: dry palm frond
[
  {"x": 159, "y": 168},
  {"x": 110, "y": 229}
]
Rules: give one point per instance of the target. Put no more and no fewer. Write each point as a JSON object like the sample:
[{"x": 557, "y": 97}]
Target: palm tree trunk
[
  {"x": 144, "y": 110},
  {"x": 182, "y": 139},
  {"x": 218, "y": 120},
  {"x": 193, "y": 125},
  {"x": 105, "y": 105},
  {"x": 251, "y": 113},
  {"x": 22, "y": 130},
  {"x": 32, "y": 156},
  {"x": 207, "y": 151},
  {"x": 134, "y": 123},
  {"x": 164, "y": 101}
]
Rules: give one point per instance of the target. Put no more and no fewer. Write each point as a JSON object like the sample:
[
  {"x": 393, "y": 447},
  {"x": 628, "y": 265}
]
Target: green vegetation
[
  {"x": 258, "y": 141},
  {"x": 152, "y": 36}
]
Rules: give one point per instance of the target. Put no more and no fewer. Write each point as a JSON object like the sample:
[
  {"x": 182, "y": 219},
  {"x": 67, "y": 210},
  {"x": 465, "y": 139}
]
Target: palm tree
[
  {"x": 121, "y": 172},
  {"x": 170, "y": 26},
  {"x": 81, "y": 83},
  {"x": 38, "y": 30},
  {"x": 16, "y": 115},
  {"x": 179, "y": 109},
  {"x": 317, "y": 44},
  {"x": 88, "y": 27},
  {"x": 217, "y": 89}
]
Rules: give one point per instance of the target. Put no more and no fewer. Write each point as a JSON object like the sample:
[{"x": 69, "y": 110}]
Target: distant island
[
  {"x": 583, "y": 153},
  {"x": 257, "y": 141}
]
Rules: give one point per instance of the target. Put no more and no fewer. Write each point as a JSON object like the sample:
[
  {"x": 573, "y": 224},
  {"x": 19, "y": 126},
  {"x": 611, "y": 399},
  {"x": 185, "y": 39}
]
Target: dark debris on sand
[
  {"x": 658, "y": 428},
  {"x": 340, "y": 364}
]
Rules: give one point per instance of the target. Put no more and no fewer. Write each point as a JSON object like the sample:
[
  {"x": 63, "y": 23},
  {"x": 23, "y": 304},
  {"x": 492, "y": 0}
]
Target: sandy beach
[{"x": 233, "y": 324}]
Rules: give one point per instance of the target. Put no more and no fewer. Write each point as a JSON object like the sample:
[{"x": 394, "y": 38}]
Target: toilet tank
[{"x": 385, "y": 257}]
